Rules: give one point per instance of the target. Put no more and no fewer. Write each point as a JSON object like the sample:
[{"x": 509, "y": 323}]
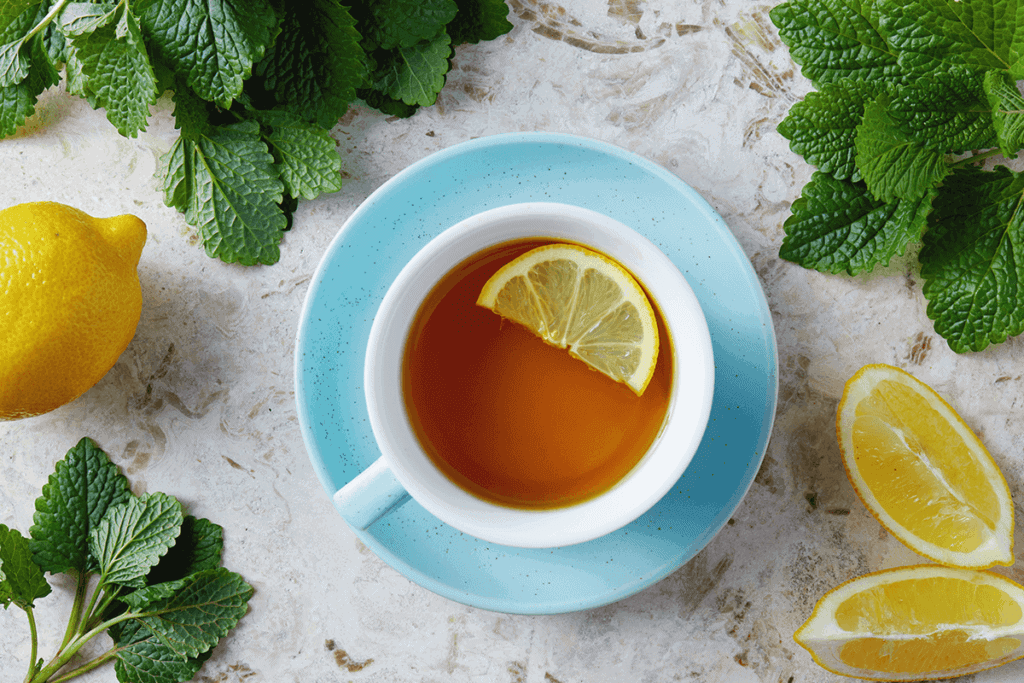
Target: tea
[{"x": 510, "y": 418}]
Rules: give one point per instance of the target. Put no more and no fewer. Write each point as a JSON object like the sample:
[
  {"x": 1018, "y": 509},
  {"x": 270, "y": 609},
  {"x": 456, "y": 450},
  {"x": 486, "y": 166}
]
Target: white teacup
[{"x": 404, "y": 468}]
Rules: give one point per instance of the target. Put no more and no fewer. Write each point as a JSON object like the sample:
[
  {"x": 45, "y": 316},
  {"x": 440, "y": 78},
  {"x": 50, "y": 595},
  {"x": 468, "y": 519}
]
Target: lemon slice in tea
[
  {"x": 917, "y": 623},
  {"x": 575, "y": 298},
  {"x": 922, "y": 472}
]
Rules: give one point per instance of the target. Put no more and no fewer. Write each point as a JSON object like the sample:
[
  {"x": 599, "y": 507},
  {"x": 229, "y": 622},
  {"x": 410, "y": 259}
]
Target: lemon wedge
[
  {"x": 917, "y": 623},
  {"x": 922, "y": 472}
]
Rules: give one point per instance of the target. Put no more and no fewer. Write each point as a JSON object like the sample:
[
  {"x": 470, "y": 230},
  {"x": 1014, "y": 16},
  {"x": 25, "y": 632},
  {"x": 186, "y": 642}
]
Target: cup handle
[{"x": 373, "y": 493}]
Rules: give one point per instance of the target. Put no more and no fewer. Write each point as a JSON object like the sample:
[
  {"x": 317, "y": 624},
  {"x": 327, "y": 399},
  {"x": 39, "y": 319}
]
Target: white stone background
[{"x": 201, "y": 405}]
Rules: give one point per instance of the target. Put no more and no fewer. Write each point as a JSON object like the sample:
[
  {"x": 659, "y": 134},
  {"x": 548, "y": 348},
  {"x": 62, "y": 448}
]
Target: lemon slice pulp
[{"x": 575, "y": 298}]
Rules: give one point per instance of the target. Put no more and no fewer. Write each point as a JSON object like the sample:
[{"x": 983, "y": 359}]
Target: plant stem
[
  {"x": 76, "y": 608},
  {"x": 975, "y": 158},
  {"x": 45, "y": 21},
  {"x": 83, "y": 624},
  {"x": 88, "y": 666},
  {"x": 35, "y": 644},
  {"x": 96, "y": 616},
  {"x": 43, "y": 675}
]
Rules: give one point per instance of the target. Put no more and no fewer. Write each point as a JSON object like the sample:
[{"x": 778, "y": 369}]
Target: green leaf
[
  {"x": 81, "y": 489},
  {"x": 836, "y": 225},
  {"x": 17, "y": 17},
  {"x": 79, "y": 18},
  {"x": 823, "y": 126},
  {"x": 201, "y": 610},
  {"x": 316, "y": 64},
  {"x": 21, "y": 580},
  {"x": 13, "y": 68},
  {"x": 53, "y": 35},
  {"x": 18, "y": 102},
  {"x": 479, "y": 20},
  {"x": 143, "y": 658},
  {"x": 305, "y": 155},
  {"x": 132, "y": 537},
  {"x": 212, "y": 43},
  {"x": 833, "y": 39},
  {"x": 973, "y": 259},
  {"x": 115, "y": 73},
  {"x": 1007, "y": 111},
  {"x": 415, "y": 75},
  {"x": 892, "y": 165},
  {"x": 980, "y": 34},
  {"x": 946, "y": 111},
  {"x": 224, "y": 180},
  {"x": 387, "y": 104},
  {"x": 29, "y": 67},
  {"x": 404, "y": 23}
]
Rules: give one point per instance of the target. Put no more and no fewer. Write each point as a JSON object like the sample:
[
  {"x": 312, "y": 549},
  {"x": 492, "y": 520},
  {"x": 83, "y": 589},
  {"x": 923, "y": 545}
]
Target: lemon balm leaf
[
  {"x": 479, "y": 20},
  {"x": 415, "y": 75},
  {"x": 973, "y": 259},
  {"x": 232, "y": 193},
  {"x": 1007, "y": 111},
  {"x": 16, "y": 19},
  {"x": 28, "y": 71},
  {"x": 930, "y": 34},
  {"x": 387, "y": 104},
  {"x": 404, "y": 23},
  {"x": 836, "y": 225},
  {"x": 13, "y": 67},
  {"x": 212, "y": 43},
  {"x": 18, "y": 102},
  {"x": 77, "y": 495},
  {"x": 823, "y": 126},
  {"x": 224, "y": 180},
  {"x": 132, "y": 537},
  {"x": 305, "y": 155},
  {"x": 116, "y": 73},
  {"x": 192, "y": 614},
  {"x": 833, "y": 39},
  {"x": 316, "y": 64},
  {"x": 946, "y": 111},
  {"x": 143, "y": 658},
  {"x": 893, "y": 165},
  {"x": 21, "y": 580},
  {"x": 80, "y": 18}
]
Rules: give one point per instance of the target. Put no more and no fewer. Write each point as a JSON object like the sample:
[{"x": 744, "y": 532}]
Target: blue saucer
[{"x": 441, "y": 190}]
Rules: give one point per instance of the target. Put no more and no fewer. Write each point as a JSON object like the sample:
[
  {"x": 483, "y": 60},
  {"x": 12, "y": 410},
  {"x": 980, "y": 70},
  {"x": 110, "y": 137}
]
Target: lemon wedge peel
[
  {"x": 994, "y": 529},
  {"x": 578, "y": 299},
  {"x": 939, "y": 633}
]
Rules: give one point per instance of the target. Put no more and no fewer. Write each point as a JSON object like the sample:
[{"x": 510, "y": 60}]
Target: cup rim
[{"x": 658, "y": 470}]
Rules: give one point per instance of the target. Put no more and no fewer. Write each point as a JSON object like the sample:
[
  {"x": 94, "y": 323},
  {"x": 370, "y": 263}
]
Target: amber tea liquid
[{"x": 510, "y": 418}]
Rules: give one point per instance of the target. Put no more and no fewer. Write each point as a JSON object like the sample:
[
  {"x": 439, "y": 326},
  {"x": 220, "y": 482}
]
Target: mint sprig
[
  {"x": 257, "y": 86},
  {"x": 147, "y": 575},
  {"x": 908, "y": 97}
]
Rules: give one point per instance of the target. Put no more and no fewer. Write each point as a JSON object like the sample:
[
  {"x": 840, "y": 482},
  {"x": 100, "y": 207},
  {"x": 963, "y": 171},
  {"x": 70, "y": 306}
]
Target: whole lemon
[{"x": 70, "y": 301}]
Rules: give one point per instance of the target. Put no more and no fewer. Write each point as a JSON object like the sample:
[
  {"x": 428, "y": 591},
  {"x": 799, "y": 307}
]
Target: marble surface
[{"x": 201, "y": 405}]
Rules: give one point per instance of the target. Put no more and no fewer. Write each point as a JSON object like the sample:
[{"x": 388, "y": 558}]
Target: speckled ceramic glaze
[{"x": 417, "y": 204}]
